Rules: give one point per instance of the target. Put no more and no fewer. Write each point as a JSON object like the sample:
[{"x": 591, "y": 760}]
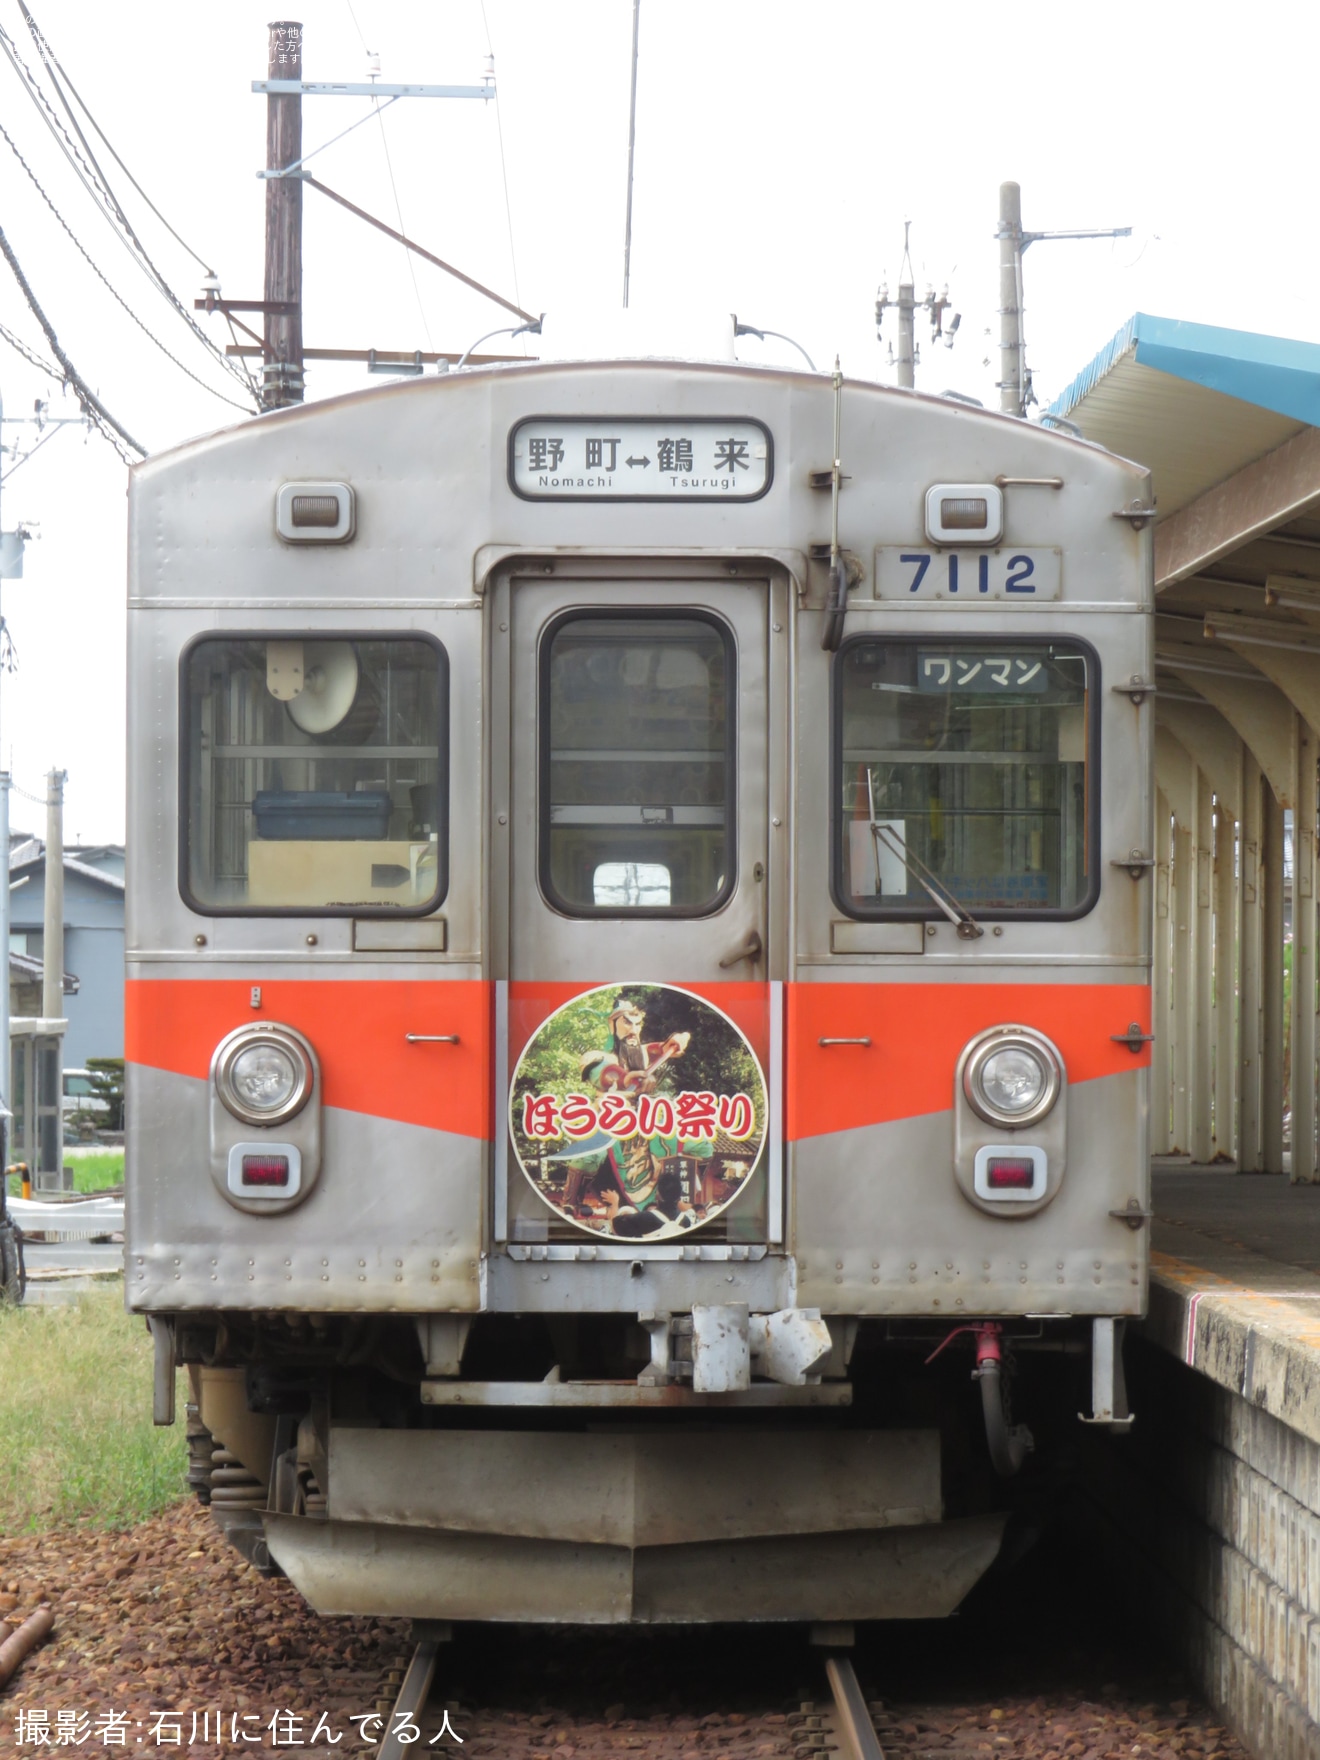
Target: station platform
[
  {"x": 1213, "y": 1498},
  {"x": 1235, "y": 1284}
]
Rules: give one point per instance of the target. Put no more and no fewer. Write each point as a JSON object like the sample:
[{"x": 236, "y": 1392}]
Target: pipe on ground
[{"x": 16, "y": 1647}]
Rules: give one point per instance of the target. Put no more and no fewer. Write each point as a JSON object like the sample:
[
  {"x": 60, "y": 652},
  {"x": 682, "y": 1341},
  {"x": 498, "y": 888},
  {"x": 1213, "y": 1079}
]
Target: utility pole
[
  {"x": 282, "y": 373},
  {"x": 281, "y": 345},
  {"x": 1015, "y": 391},
  {"x": 52, "y": 938},
  {"x": 1012, "y": 381},
  {"x": 907, "y": 304}
]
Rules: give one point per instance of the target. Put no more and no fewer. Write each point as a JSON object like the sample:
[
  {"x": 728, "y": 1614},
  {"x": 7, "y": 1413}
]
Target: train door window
[
  {"x": 314, "y": 775},
  {"x": 972, "y": 761},
  {"x": 636, "y": 751}
]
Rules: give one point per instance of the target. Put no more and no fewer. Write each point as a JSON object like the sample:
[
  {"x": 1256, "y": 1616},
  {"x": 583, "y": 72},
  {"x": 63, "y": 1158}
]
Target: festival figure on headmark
[{"x": 631, "y": 1066}]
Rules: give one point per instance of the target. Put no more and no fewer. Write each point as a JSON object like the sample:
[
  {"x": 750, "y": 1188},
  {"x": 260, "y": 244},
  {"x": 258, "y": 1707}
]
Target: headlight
[
  {"x": 1012, "y": 1077},
  {"x": 263, "y": 1074}
]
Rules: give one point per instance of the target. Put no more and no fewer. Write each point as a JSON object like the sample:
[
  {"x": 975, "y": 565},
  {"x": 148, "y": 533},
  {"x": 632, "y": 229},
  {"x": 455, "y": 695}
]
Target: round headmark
[{"x": 638, "y": 1111}]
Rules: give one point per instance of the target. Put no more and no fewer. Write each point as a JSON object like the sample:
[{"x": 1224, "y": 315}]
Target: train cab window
[
  {"x": 971, "y": 761},
  {"x": 314, "y": 775},
  {"x": 637, "y": 765}
]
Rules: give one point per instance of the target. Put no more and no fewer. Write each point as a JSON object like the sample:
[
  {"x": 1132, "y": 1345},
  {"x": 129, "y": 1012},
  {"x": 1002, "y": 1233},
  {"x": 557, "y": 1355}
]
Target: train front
[{"x": 638, "y": 985}]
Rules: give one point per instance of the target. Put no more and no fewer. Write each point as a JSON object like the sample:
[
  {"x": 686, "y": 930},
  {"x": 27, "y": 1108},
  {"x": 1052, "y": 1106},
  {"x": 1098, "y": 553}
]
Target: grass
[
  {"x": 91, "y": 1173},
  {"x": 77, "y": 1445}
]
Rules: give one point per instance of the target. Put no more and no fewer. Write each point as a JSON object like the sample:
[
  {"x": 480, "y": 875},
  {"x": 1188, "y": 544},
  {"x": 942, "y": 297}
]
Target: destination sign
[
  {"x": 664, "y": 458},
  {"x": 959, "y": 575}
]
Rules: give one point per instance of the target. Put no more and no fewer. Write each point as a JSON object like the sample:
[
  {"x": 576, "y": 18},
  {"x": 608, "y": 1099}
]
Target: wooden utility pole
[{"x": 283, "y": 368}]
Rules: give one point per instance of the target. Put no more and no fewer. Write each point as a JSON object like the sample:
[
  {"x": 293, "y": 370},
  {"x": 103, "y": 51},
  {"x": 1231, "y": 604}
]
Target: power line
[
  {"x": 29, "y": 355},
  {"x": 48, "y": 57},
  {"x": 200, "y": 261},
  {"x": 109, "y": 285},
  {"x": 91, "y": 403},
  {"x": 93, "y": 182}
]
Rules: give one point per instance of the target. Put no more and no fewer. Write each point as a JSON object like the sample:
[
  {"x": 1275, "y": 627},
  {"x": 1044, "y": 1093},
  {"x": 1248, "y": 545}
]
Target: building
[{"x": 93, "y": 942}]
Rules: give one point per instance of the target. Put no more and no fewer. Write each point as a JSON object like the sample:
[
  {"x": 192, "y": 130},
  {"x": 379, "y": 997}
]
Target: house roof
[
  {"x": 30, "y": 970},
  {"x": 29, "y": 856}
]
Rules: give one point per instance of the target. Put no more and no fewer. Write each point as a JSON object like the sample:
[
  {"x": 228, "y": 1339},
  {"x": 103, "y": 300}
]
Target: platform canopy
[{"x": 1228, "y": 423}]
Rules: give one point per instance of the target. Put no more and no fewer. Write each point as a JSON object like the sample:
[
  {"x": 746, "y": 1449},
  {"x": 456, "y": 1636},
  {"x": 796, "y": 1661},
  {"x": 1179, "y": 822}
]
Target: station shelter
[{"x": 1229, "y": 424}]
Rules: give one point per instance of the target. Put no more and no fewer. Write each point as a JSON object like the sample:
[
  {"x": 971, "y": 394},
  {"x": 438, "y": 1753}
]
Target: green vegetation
[
  {"x": 107, "y": 1081},
  {"x": 91, "y": 1173},
  {"x": 77, "y": 1445}
]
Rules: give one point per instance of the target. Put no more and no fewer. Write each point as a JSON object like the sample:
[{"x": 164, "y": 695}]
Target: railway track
[{"x": 167, "y": 1617}]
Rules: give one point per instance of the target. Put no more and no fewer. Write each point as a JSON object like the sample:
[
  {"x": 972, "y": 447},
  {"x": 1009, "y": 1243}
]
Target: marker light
[
  {"x": 265, "y": 1170},
  {"x": 1002, "y": 1172},
  {"x": 965, "y": 513},
  {"x": 1012, "y": 1077},
  {"x": 263, "y": 1075},
  {"x": 1010, "y": 1176},
  {"x": 959, "y": 513}
]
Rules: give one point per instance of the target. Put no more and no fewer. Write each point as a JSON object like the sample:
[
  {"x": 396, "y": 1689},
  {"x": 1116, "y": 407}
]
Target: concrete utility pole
[
  {"x": 52, "y": 939},
  {"x": 1014, "y": 380},
  {"x": 283, "y": 369},
  {"x": 1012, "y": 384},
  {"x": 905, "y": 363}
]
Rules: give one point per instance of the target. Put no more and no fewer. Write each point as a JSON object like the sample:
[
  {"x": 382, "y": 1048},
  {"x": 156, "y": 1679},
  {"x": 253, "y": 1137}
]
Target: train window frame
[
  {"x": 635, "y": 614},
  {"x": 928, "y": 911},
  {"x": 392, "y": 913}
]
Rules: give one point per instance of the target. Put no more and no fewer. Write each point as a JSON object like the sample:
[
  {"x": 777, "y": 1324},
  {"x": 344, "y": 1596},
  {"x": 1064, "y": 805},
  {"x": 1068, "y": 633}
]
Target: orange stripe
[
  {"x": 917, "y": 1033},
  {"x": 357, "y": 1030}
]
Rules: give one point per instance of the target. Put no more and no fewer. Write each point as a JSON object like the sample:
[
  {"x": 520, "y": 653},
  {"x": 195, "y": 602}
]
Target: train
[{"x": 638, "y": 983}]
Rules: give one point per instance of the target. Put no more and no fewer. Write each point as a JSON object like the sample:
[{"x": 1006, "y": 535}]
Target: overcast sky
[{"x": 780, "y": 147}]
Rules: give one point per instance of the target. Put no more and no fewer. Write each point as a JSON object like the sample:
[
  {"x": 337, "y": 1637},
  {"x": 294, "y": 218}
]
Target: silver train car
[{"x": 638, "y": 984}]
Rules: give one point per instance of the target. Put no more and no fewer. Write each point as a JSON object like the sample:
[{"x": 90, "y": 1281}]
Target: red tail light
[
  {"x": 265, "y": 1170},
  {"x": 1009, "y": 1173}
]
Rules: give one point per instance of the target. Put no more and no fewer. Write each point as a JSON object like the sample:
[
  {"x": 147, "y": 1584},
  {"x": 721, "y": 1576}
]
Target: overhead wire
[
  {"x": 93, "y": 182},
  {"x": 30, "y": 355},
  {"x": 48, "y": 57},
  {"x": 200, "y": 261},
  {"x": 504, "y": 170},
  {"x": 394, "y": 188},
  {"x": 107, "y": 283},
  {"x": 92, "y": 406}
]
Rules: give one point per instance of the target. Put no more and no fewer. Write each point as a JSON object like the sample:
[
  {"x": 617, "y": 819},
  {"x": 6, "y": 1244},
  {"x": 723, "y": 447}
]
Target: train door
[{"x": 636, "y": 805}]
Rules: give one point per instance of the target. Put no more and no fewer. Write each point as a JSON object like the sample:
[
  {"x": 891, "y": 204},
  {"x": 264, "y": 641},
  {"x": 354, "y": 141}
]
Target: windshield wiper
[
  {"x": 958, "y": 914},
  {"x": 884, "y": 836}
]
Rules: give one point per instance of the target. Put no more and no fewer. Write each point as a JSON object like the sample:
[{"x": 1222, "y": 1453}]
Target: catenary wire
[
  {"x": 89, "y": 179},
  {"x": 108, "y": 284},
  {"x": 389, "y": 166},
  {"x": 504, "y": 170},
  {"x": 91, "y": 403}
]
